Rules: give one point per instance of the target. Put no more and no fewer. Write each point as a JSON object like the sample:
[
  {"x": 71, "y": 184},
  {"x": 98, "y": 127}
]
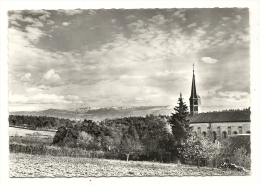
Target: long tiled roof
[{"x": 225, "y": 116}]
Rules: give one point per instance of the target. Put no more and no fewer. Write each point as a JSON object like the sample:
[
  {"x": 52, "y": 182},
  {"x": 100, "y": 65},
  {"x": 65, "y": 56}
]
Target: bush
[
  {"x": 241, "y": 158},
  {"x": 54, "y": 151}
]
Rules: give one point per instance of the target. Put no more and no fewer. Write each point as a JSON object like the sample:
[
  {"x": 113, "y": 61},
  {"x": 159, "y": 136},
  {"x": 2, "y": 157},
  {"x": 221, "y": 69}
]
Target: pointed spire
[
  {"x": 193, "y": 86},
  {"x": 180, "y": 95}
]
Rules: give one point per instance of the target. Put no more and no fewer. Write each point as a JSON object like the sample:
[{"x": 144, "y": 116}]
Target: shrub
[{"x": 241, "y": 158}]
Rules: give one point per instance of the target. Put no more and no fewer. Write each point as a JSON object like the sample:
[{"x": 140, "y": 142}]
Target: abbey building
[{"x": 221, "y": 123}]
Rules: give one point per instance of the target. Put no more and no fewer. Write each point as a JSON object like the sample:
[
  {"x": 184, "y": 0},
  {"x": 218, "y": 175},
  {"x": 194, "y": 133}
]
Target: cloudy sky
[{"x": 74, "y": 58}]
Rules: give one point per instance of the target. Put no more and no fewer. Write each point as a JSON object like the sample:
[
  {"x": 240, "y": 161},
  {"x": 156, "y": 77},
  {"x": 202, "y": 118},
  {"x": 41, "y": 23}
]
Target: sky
[{"x": 65, "y": 59}]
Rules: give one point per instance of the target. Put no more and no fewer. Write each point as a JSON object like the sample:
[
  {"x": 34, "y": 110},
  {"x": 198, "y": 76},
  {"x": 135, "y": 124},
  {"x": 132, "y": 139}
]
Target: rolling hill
[{"x": 100, "y": 113}]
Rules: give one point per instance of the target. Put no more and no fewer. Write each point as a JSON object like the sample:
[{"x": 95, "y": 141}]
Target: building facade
[{"x": 220, "y": 124}]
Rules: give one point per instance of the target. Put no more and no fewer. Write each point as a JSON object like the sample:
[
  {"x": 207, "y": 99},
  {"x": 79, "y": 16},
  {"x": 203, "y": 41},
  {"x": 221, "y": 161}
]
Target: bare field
[
  {"x": 22, "y": 132},
  {"x": 24, "y": 165}
]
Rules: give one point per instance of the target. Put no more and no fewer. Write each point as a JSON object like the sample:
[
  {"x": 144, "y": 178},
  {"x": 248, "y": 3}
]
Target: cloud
[
  {"x": 167, "y": 73},
  {"x": 37, "y": 24},
  {"x": 70, "y": 12},
  {"x": 41, "y": 98},
  {"x": 192, "y": 25},
  {"x": 15, "y": 23},
  {"x": 126, "y": 77},
  {"x": 148, "y": 52},
  {"x": 229, "y": 96},
  {"x": 51, "y": 75},
  {"x": 26, "y": 77},
  {"x": 50, "y": 22},
  {"x": 33, "y": 34},
  {"x": 65, "y": 23},
  {"x": 18, "y": 16},
  {"x": 39, "y": 88},
  {"x": 180, "y": 14},
  {"x": 226, "y": 18},
  {"x": 44, "y": 17},
  {"x": 130, "y": 17},
  {"x": 238, "y": 19},
  {"x": 209, "y": 60}
]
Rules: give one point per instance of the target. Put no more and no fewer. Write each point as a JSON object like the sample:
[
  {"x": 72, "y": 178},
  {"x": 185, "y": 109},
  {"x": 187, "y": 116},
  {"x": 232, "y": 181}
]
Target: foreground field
[
  {"x": 24, "y": 165},
  {"x": 22, "y": 132}
]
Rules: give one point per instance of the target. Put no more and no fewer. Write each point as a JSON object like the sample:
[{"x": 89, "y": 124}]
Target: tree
[
  {"x": 179, "y": 122},
  {"x": 195, "y": 149},
  {"x": 130, "y": 142},
  {"x": 157, "y": 138}
]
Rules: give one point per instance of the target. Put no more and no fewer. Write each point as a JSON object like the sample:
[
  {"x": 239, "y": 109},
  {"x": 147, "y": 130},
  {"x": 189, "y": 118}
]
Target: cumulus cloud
[
  {"x": 15, "y": 23},
  {"x": 37, "y": 24},
  {"x": 70, "y": 12},
  {"x": 209, "y": 60},
  {"x": 50, "y": 22},
  {"x": 39, "y": 88},
  {"x": 26, "y": 77},
  {"x": 146, "y": 53},
  {"x": 192, "y": 25},
  {"x": 34, "y": 22},
  {"x": 180, "y": 14},
  {"x": 238, "y": 19},
  {"x": 130, "y": 17},
  {"x": 65, "y": 23},
  {"x": 33, "y": 34},
  {"x": 41, "y": 98},
  {"x": 51, "y": 75},
  {"x": 226, "y": 18}
]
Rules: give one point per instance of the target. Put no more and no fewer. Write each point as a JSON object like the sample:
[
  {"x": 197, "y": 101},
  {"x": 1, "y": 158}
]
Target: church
[{"x": 221, "y": 123}]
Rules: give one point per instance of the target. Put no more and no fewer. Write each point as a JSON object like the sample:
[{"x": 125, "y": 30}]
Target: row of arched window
[{"x": 223, "y": 135}]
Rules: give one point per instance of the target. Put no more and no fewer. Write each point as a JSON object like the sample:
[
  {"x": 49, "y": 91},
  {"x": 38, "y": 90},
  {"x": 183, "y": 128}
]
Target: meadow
[
  {"x": 14, "y": 131},
  {"x": 26, "y": 165}
]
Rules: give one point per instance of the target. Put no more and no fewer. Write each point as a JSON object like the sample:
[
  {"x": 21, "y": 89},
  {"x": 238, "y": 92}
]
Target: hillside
[{"x": 100, "y": 113}]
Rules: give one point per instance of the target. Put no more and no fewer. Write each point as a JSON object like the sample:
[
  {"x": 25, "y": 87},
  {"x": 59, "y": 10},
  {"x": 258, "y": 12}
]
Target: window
[
  {"x": 229, "y": 130},
  {"x": 199, "y": 131},
  {"x": 224, "y": 135},
  {"x": 218, "y": 130},
  {"x": 214, "y": 136},
  {"x": 240, "y": 130},
  {"x": 204, "y": 134}
]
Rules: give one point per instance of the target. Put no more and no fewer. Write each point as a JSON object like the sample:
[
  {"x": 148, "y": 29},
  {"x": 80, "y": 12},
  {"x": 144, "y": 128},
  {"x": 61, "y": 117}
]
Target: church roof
[
  {"x": 193, "y": 87},
  {"x": 222, "y": 116}
]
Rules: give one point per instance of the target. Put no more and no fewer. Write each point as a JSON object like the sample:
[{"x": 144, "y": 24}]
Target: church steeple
[
  {"x": 194, "y": 97},
  {"x": 193, "y": 86}
]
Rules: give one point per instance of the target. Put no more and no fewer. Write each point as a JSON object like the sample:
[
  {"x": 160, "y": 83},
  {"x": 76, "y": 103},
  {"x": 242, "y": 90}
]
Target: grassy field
[
  {"x": 22, "y": 132},
  {"x": 24, "y": 165}
]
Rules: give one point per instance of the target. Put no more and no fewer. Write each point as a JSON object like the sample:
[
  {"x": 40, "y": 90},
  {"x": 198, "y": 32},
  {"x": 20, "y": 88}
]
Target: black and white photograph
[{"x": 142, "y": 92}]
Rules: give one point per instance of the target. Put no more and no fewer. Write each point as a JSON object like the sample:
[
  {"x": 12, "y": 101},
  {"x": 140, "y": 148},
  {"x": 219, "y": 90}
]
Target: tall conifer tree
[{"x": 179, "y": 121}]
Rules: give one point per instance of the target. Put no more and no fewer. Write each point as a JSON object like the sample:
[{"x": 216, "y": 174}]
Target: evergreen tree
[{"x": 179, "y": 121}]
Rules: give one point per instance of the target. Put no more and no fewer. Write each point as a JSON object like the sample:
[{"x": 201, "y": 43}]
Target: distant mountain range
[{"x": 100, "y": 113}]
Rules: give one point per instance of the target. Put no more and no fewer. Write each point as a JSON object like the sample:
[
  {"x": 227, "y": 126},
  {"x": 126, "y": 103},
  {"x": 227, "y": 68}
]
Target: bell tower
[{"x": 195, "y": 101}]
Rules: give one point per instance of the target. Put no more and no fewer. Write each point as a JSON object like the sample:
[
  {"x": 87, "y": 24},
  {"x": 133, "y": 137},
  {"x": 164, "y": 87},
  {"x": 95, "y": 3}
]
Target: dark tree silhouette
[
  {"x": 60, "y": 135},
  {"x": 179, "y": 121}
]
